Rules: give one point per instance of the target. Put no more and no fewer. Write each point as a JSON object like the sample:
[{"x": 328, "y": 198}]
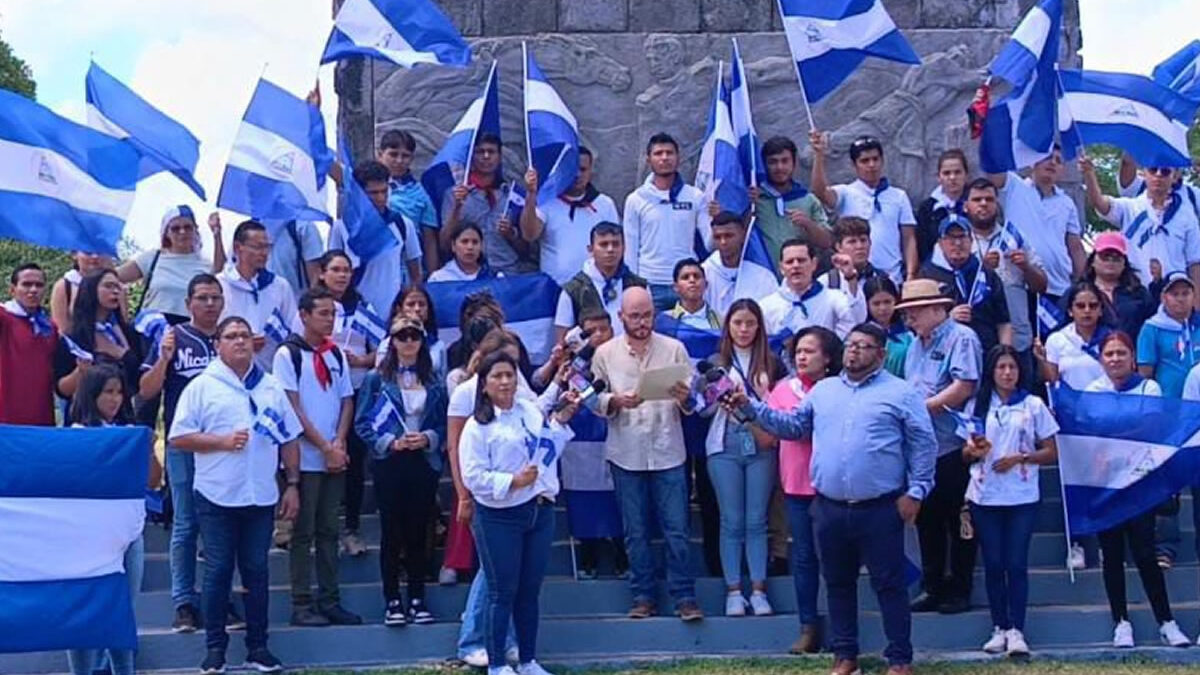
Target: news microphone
[
  {"x": 576, "y": 339},
  {"x": 718, "y": 387},
  {"x": 582, "y": 360},
  {"x": 587, "y": 390}
]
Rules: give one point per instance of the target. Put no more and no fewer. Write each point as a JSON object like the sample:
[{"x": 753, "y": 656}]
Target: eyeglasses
[
  {"x": 236, "y": 337},
  {"x": 407, "y": 336},
  {"x": 1162, "y": 171},
  {"x": 181, "y": 229},
  {"x": 1110, "y": 256},
  {"x": 861, "y": 346}
]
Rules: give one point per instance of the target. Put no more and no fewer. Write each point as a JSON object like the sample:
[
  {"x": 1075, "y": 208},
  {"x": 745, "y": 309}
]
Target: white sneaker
[
  {"x": 502, "y": 670},
  {"x": 735, "y": 604},
  {"x": 477, "y": 658},
  {"x": 1016, "y": 643},
  {"x": 1123, "y": 635},
  {"x": 998, "y": 642},
  {"x": 532, "y": 668},
  {"x": 1076, "y": 559},
  {"x": 513, "y": 656},
  {"x": 760, "y": 605},
  {"x": 1172, "y": 636},
  {"x": 447, "y": 577}
]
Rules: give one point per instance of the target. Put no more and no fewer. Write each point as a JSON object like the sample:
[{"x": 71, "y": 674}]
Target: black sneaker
[
  {"x": 339, "y": 616},
  {"x": 394, "y": 614},
  {"x": 418, "y": 613},
  {"x": 263, "y": 661},
  {"x": 214, "y": 662},
  {"x": 233, "y": 620},
  {"x": 187, "y": 620},
  {"x": 306, "y": 616}
]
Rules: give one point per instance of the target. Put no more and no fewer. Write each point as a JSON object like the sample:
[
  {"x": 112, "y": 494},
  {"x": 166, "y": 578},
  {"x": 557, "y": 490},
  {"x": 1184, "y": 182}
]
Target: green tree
[{"x": 14, "y": 73}]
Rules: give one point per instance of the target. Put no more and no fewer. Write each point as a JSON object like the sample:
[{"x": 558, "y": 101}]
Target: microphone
[
  {"x": 587, "y": 390},
  {"x": 582, "y": 360},
  {"x": 717, "y": 387},
  {"x": 576, "y": 339}
]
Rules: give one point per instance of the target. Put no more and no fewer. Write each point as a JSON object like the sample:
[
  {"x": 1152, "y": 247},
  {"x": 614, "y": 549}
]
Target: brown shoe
[
  {"x": 905, "y": 669},
  {"x": 689, "y": 611},
  {"x": 641, "y": 610},
  {"x": 846, "y": 667},
  {"x": 808, "y": 642}
]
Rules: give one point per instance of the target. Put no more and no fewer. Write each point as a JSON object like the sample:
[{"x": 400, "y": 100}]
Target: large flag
[
  {"x": 404, "y": 32},
  {"x": 452, "y": 163},
  {"x": 1121, "y": 456},
  {"x": 367, "y": 233},
  {"x": 592, "y": 509},
  {"x": 742, "y": 120},
  {"x": 1019, "y": 130},
  {"x": 528, "y": 300},
  {"x": 1146, "y": 119},
  {"x": 756, "y": 278},
  {"x": 71, "y": 502},
  {"x": 1181, "y": 71},
  {"x": 829, "y": 39},
  {"x": 719, "y": 173},
  {"x": 553, "y": 133},
  {"x": 279, "y": 160},
  {"x": 166, "y": 145},
  {"x": 62, "y": 184}
]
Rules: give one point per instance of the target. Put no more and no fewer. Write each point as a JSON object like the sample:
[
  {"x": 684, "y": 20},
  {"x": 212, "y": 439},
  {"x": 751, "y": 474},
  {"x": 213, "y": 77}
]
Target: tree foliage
[{"x": 14, "y": 73}]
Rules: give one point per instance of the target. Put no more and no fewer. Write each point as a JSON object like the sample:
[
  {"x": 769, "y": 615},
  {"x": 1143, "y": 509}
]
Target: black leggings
[
  {"x": 356, "y": 474},
  {"x": 405, "y": 487},
  {"x": 1140, "y": 533}
]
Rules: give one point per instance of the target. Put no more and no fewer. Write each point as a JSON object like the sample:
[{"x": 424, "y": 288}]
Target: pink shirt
[{"x": 794, "y": 456}]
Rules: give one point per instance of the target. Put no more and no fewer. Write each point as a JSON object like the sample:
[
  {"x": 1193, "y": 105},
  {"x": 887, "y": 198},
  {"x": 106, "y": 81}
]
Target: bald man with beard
[{"x": 645, "y": 451}]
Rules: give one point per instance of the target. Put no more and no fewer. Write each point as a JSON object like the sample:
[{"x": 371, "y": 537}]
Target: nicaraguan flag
[
  {"x": 368, "y": 324},
  {"x": 405, "y": 32},
  {"x": 271, "y": 424},
  {"x": 829, "y": 39},
  {"x": 592, "y": 509},
  {"x": 742, "y": 119},
  {"x": 279, "y": 160},
  {"x": 719, "y": 173},
  {"x": 1019, "y": 130},
  {"x": 553, "y": 134},
  {"x": 1050, "y": 317},
  {"x": 756, "y": 278},
  {"x": 276, "y": 327},
  {"x": 152, "y": 325},
  {"x": 62, "y": 184},
  {"x": 1122, "y": 455},
  {"x": 1181, "y": 71},
  {"x": 700, "y": 343},
  {"x": 515, "y": 203},
  {"x": 165, "y": 145},
  {"x": 71, "y": 502},
  {"x": 367, "y": 233},
  {"x": 385, "y": 418},
  {"x": 965, "y": 425},
  {"x": 1148, "y": 120},
  {"x": 529, "y": 301},
  {"x": 453, "y": 161}
]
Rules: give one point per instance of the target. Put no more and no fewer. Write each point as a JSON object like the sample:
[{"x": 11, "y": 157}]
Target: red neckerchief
[
  {"x": 489, "y": 190},
  {"x": 320, "y": 368}
]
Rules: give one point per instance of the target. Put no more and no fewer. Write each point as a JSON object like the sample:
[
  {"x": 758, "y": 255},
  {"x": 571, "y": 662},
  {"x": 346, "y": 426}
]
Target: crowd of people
[{"x": 295, "y": 369}]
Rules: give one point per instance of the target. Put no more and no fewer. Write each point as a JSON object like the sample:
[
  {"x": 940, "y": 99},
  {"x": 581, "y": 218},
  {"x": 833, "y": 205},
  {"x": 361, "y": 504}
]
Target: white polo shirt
[
  {"x": 217, "y": 402},
  {"x": 565, "y": 239},
  {"x": 1175, "y": 243},
  {"x": 895, "y": 211},
  {"x": 1013, "y": 428},
  {"x": 386, "y": 273},
  {"x": 1076, "y": 367},
  {"x": 322, "y": 406},
  {"x": 660, "y": 232},
  {"x": 256, "y": 307},
  {"x": 726, "y": 284},
  {"x": 1045, "y": 222},
  {"x": 819, "y": 306}
]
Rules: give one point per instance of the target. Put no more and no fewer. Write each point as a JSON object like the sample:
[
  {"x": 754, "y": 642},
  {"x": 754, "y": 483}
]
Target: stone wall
[{"x": 629, "y": 68}]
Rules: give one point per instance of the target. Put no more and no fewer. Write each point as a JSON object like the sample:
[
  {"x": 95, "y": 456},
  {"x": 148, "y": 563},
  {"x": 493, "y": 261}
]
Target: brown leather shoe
[
  {"x": 846, "y": 667},
  {"x": 689, "y": 611},
  {"x": 905, "y": 669},
  {"x": 641, "y": 610},
  {"x": 809, "y": 641}
]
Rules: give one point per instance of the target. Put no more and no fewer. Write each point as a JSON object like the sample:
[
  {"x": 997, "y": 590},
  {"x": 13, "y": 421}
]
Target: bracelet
[{"x": 293, "y": 482}]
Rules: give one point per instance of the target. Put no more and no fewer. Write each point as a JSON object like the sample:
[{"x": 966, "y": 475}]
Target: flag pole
[
  {"x": 525, "y": 100},
  {"x": 812, "y": 126},
  {"x": 1062, "y": 491},
  {"x": 487, "y": 84},
  {"x": 740, "y": 65}
]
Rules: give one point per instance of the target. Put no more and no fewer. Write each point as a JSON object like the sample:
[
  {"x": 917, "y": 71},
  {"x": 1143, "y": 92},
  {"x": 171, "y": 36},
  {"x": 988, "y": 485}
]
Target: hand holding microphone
[{"x": 718, "y": 388}]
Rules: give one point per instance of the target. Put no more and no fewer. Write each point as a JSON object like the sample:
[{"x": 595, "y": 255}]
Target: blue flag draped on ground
[
  {"x": 71, "y": 502},
  {"x": 553, "y": 134},
  {"x": 367, "y": 233},
  {"x": 62, "y": 184},
  {"x": 165, "y": 145},
  {"x": 742, "y": 119},
  {"x": 529, "y": 301},
  {"x": 719, "y": 172},
  {"x": 1181, "y": 71},
  {"x": 404, "y": 32},
  {"x": 279, "y": 160},
  {"x": 453, "y": 161}
]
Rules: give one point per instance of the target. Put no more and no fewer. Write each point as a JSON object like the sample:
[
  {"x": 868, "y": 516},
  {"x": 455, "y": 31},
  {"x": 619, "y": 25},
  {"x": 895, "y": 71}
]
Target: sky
[{"x": 198, "y": 61}]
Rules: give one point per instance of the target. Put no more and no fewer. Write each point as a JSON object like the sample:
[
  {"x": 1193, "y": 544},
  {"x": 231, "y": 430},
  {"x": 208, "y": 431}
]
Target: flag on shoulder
[
  {"x": 404, "y": 32},
  {"x": 1181, "y": 71},
  {"x": 553, "y": 133},
  {"x": 719, "y": 172},
  {"x": 279, "y": 160},
  {"x": 452, "y": 163},
  {"x": 829, "y": 40},
  {"x": 529, "y": 301},
  {"x": 72, "y": 501},
  {"x": 165, "y": 145}
]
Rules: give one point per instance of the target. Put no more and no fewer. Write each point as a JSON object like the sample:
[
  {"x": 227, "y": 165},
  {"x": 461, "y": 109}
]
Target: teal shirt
[
  {"x": 1171, "y": 352},
  {"x": 410, "y": 199}
]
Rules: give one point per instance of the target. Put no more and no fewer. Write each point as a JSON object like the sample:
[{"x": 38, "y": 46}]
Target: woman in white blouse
[
  {"x": 467, "y": 263},
  {"x": 508, "y": 456},
  {"x": 1072, "y": 354}
]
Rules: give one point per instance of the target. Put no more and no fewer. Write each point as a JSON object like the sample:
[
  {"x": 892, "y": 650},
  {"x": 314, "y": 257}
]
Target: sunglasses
[
  {"x": 407, "y": 336},
  {"x": 865, "y": 141},
  {"x": 1110, "y": 256},
  {"x": 1162, "y": 171}
]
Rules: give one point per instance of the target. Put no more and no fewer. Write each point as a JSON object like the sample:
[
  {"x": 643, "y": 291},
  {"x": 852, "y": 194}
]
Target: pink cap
[{"x": 1111, "y": 241}]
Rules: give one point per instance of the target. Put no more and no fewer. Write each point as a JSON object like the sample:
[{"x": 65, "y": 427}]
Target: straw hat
[{"x": 922, "y": 293}]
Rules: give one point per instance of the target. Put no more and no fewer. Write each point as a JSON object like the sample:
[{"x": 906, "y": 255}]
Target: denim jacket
[{"x": 433, "y": 423}]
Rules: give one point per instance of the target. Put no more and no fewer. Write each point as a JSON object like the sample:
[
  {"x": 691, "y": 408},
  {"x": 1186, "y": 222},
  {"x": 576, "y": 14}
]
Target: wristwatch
[{"x": 293, "y": 482}]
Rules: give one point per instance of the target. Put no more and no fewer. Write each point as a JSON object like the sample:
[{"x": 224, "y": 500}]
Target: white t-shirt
[
  {"x": 726, "y": 285},
  {"x": 1012, "y": 429},
  {"x": 565, "y": 240},
  {"x": 1175, "y": 243},
  {"x": 1046, "y": 222},
  {"x": 895, "y": 211},
  {"x": 172, "y": 274},
  {"x": 386, "y": 273},
  {"x": 1146, "y": 387},
  {"x": 660, "y": 232},
  {"x": 819, "y": 307},
  {"x": 323, "y": 407},
  {"x": 452, "y": 272},
  {"x": 1076, "y": 368}
]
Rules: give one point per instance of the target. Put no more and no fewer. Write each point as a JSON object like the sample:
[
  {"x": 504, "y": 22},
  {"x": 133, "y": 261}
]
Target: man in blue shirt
[{"x": 873, "y": 460}]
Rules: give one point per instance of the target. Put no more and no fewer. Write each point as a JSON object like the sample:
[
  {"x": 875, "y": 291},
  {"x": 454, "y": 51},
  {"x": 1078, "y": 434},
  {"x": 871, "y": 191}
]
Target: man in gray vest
[{"x": 601, "y": 283}]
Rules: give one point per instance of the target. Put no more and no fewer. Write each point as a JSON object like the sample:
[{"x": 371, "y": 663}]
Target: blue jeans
[
  {"x": 119, "y": 661},
  {"x": 514, "y": 548},
  {"x": 1004, "y": 534},
  {"x": 664, "y": 491},
  {"x": 743, "y": 484},
  {"x": 181, "y": 467},
  {"x": 664, "y": 296},
  {"x": 240, "y": 535},
  {"x": 806, "y": 573},
  {"x": 849, "y": 536},
  {"x": 471, "y": 635},
  {"x": 1167, "y": 537}
]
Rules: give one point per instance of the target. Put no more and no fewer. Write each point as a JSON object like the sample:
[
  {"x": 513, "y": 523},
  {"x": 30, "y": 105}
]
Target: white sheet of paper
[{"x": 655, "y": 384}]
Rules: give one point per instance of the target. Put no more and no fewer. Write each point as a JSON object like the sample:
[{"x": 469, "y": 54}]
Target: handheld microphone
[
  {"x": 587, "y": 390},
  {"x": 717, "y": 387},
  {"x": 576, "y": 339}
]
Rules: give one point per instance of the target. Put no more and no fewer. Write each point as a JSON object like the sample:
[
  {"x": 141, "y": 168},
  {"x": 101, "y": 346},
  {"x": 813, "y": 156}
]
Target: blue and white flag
[
  {"x": 829, "y": 40},
  {"x": 62, "y": 184},
  {"x": 1019, "y": 130},
  {"x": 453, "y": 162},
  {"x": 165, "y": 145},
  {"x": 152, "y": 325},
  {"x": 279, "y": 160},
  {"x": 385, "y": 418},
  {"x": 515, "y": 203},
  {"x": 965, "y": 426},
  {"x": 742, "y": 119},
  {"x": 1146, "y": 119},
  {"x": 553, "y": 134},
  {"x": 367, "y": 233},
  {"x": 276, "y": 327},
  {"x": 76, "y": 350},
  {"x": 719, "y": 172},
  {"x": 528, "y": 300},
  {"x": 1050, "y": 317},
  {"x": 271, "y": 424},
  {"x": 1121, "y": 455},
  {"x": 1010, "y": 238},
  {"x": 1181, "y": 71},
  {"x": 756, "y": 278},
  {"x": 404, "y": 32},
  {"x": 700, "y": 343},
  {"x": 368, "y": 323},
  {"x": 592, "y": 508},
  {"x": 71, "y": 502}
]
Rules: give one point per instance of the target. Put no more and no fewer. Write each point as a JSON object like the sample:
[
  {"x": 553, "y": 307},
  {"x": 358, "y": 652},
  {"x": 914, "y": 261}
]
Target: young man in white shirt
[
  {"x": 600, "y": 283},
  {"x": 851, "y": 263},
  {"x": 727, "y": 278},
  {"x": 872, "y": 198},
  {"x": 238, "y": 421},
  {"x": 562, "y": 227},
  {"x": 662, "y": 220},
  {"x": 265, "y": 301},
  {"x": 316, "y": 376},
  {"x": 801, "y": 300},
  {"x": 693, "y": 308},
  {"x": 387, "y": 272}
]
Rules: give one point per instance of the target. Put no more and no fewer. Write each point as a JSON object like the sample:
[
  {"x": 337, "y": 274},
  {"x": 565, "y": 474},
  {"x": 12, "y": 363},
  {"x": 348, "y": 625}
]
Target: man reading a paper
[{"x": 646, "y": 454}]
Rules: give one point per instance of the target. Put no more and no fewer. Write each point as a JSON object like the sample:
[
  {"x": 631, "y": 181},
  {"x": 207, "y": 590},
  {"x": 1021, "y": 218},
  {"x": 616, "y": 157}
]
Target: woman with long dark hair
[
  {"x": 99, "y": 334},
  {"x": 66, "y": 289},
  {"x": 467, "y": 262},
  {"x": 416, "y": 303},
  {"x": 1072, "y": 353},
  {"x": 1127, "y": 302},
  {"x": 882, "y": 295}
]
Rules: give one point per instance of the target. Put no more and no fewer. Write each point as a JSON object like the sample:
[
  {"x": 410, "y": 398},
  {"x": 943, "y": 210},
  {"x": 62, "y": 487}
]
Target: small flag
[
  {"x": 553, "y": 134},
  {"x": 385, "y": 418},
  {"x": 369, "y": 324},
  {"x": 276, "y": 327},
  {"x": 272, "y": 425},
  {"x": 1050, "y": 317},
  {"x": 453, "y": 161},
  {"x": 77, "y": 351},
  {"x": 515, "y": 203},
  {"x": 151, "y": 324},
  {"x": 965, "y": 426},
  {"x": 404, "y": 32}
]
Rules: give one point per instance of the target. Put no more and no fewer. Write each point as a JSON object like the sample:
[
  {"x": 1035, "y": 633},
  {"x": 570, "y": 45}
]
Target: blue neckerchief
[
  {"x": 795, "y": 190},
  {"x": 397, "y": 183},
  {"x": 609, "y": 294},
  {"x": 895, "y": 330},
  {"x": 812, "y": 291},
  {"x": 1092, "y": 347},
  {"x": 964, "y": 278},
  {"x": 1168, "y": 215},
  {"x": 1017, "y": 396},
  {"x": 250, "y": 381},
  {"x": 746, "y": 383},
  {"x": 39, "y": 321},
  {"x": 880, "y": 189},
  {"x": 1134, "y": 380},
  {"x": 676, "y": 188},
  {"x": 941, "y": 201},
  {"x": 109, "y": 330}
]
